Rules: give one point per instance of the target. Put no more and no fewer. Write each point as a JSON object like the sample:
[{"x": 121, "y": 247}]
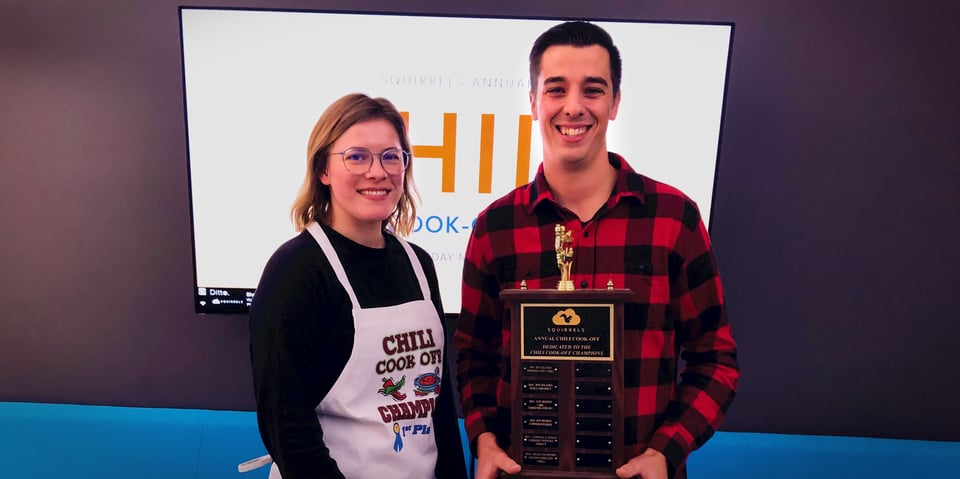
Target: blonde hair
[{"x": 313, "y": 199}]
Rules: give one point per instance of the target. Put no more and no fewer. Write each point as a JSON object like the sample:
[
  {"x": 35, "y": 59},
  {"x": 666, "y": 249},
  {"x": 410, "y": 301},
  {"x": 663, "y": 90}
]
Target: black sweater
[{"x": 301, "y": 335}]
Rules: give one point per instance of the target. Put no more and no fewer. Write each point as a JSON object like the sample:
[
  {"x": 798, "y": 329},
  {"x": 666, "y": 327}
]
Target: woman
[{"x": 347, "y": 332}]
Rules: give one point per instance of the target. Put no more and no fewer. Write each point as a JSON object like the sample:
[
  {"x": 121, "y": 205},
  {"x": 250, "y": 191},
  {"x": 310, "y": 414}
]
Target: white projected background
[{"x": 256, "y": 81}]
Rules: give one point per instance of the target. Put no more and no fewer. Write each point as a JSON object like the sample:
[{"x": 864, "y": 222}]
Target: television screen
[{"x": 255, "y": 82}]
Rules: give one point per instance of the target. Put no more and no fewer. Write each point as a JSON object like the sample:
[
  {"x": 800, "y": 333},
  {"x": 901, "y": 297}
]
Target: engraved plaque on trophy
[{"x": 566, "y": 362}]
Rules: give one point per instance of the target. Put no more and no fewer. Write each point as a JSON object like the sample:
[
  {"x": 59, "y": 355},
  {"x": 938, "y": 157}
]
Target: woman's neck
[{"x": 368, "y": 235}]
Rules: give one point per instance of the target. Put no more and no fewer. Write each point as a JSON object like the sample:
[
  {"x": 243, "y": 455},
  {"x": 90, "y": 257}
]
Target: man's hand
[
  {"x": 491, "y": 459},
  {"x": 652, "y": 464}
]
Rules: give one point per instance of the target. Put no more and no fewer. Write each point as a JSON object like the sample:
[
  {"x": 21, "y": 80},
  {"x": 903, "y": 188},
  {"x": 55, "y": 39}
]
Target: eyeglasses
[{"x": 359, "y": 160}]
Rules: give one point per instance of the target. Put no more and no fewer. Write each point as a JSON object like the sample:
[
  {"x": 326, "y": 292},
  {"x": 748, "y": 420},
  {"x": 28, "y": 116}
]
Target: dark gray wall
[{"x": 834, "y": 221}]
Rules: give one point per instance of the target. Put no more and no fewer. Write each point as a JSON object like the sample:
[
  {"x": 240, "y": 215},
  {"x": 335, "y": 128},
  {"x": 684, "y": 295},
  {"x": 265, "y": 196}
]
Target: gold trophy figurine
[{"x": 562, "y": 240}]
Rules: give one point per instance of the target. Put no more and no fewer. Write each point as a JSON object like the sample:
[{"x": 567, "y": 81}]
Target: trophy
[
  {"x": 566, "y": 366},
  {"x": 564, "y": 256}
]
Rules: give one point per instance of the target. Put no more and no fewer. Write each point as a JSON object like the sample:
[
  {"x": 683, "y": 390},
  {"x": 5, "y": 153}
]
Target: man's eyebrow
[
  {"x": 590, "y": 80},
  {"x": 600, "y": 80}
]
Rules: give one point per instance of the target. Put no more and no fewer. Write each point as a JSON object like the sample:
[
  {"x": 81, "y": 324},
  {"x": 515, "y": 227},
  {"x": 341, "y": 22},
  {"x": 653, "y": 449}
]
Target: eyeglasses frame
[{"x": 379, "y": 157}]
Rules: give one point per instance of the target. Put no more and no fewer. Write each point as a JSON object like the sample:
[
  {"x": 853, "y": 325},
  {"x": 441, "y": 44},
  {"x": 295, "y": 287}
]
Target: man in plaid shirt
[{"x": 643, "y": 235}]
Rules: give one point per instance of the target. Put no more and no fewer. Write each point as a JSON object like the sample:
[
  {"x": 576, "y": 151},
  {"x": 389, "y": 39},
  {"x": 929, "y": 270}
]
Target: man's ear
[
  {"x": 533, "y": 105},
  {"x": 616, "y": 107}
]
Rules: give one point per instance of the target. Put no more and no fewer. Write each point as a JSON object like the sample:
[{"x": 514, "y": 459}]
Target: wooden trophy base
[{"x": 566, "y": 365}]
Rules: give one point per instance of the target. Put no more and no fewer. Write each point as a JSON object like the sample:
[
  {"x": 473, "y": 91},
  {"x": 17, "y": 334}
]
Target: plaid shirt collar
[{"x": 629, "y": 185}]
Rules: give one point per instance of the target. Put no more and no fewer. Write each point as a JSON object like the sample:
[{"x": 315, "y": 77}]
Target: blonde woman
[{"x": 347, "y": 329}]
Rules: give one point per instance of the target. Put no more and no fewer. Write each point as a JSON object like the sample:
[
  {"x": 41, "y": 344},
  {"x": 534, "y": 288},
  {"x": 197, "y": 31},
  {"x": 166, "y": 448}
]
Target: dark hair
[{"x": 577, "y": 34}]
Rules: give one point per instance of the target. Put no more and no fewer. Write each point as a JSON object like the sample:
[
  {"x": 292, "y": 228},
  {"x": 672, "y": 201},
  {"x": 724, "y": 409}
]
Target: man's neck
[{"x": 581, "y": 188}]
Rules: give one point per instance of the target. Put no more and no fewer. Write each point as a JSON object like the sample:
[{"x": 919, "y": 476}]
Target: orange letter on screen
[
  {"x": 523, "y": 149},
  {"x": 485, "y": 182},
  {"x": 447, "y": 152}
]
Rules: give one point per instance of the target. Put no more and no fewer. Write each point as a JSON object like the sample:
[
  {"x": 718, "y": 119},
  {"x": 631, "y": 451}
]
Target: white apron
[{"x": 377, "y": 418}]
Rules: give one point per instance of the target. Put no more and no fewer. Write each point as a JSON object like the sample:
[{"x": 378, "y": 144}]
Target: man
[{"x": 641, "y": 234}]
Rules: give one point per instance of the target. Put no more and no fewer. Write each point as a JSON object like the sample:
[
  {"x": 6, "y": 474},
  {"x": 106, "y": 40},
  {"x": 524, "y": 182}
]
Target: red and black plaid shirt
[{"x": 648, "y": 238}]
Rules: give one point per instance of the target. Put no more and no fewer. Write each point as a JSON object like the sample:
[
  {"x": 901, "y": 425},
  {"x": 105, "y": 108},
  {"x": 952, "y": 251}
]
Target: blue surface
[
  {"x": 788, "y": 456},
  {"x": 467, "y": 455},
  {"x": 40, "y": 441}
]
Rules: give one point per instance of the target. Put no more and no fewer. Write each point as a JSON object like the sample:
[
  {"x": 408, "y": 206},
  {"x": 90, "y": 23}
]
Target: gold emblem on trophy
[{"x": 562, "y": 241}]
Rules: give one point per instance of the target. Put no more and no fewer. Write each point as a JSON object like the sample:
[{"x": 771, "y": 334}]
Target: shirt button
[{"x": 583, "y": 284}]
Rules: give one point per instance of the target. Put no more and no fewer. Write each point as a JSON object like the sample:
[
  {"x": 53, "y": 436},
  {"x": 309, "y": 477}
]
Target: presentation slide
[{"x": 256, "y": 81}]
